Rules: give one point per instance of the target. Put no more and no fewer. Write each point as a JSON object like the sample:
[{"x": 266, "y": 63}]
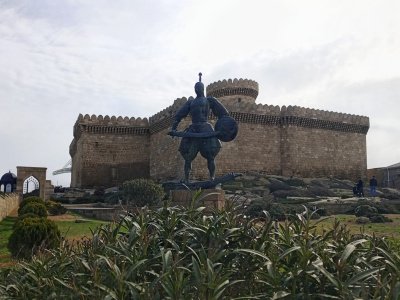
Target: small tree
[
  {"x": 39, "y": 209},
  {"x": 365, "y": 211},
  {"x": 141, "y": 192},
  {"x": 31, "y": 234},
  {"x": 29, "y": 200}
]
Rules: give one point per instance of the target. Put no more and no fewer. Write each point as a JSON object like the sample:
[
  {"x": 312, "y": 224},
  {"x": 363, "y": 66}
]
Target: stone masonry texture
[
  {"x": 8, "y": 203},
  {"x": 288, "y": 141}
]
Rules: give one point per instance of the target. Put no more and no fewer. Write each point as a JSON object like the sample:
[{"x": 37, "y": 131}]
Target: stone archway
[
  {"x": 28, "y": 183},
  {"x": 39, "y": 174}
]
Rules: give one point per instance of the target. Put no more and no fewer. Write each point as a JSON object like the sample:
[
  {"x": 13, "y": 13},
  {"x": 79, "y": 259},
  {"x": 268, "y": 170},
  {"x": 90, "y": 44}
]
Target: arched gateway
[{"x": 34, "y": 174}]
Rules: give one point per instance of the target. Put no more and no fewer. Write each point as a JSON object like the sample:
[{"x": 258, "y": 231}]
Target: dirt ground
[
  {"x": 14, "y": 213},
  {"x": 64, "y": 217},
  {"x": 6, "y": 264}
]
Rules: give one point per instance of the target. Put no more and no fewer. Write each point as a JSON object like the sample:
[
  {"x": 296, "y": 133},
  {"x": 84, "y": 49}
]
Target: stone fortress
[{"x": 288, "y": 141}]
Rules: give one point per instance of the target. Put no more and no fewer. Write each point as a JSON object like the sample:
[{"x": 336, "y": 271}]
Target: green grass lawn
[
  {"x": 6, "y": 227},
  {"x": 68, "y": 227},
  {"x": 390, "y": 229},
  {"x": 72, "y": 230}
]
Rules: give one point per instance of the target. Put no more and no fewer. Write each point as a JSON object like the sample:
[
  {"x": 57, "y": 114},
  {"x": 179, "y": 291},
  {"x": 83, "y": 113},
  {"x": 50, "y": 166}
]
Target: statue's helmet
[{"x": 199, "y": 87}]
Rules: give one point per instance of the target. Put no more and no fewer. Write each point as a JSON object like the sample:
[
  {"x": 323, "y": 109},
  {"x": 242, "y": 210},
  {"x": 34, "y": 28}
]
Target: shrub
[
  {"x": 256, "y": 208},
  {"x": 172, "y": 253},
  {"x": 55, "y": 208},
  {"x": 36, "y": 208},
  {"x": 23, "y": 217},
  {"x": 142, "y": 192},
  {"x": 113, "y": 198},
  {"x": 365, "y": 211},
  {"x": 29, "y": 200},
  {"x": 277, "y": 212},
  {"x": 386, "y": 207},
  {"x": 32, "y": 234},
  {"x": 379, "y": 219},
  {"x": 27, "y": 215}
]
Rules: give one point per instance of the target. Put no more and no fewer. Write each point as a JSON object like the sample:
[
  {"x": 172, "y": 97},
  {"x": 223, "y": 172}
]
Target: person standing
[
  {"x": 360, "y": 188},
  {"x": 372, "y": 186}
]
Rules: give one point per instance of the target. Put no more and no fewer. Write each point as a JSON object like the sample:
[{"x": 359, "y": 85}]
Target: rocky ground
[{"x": 333, "y": 195}]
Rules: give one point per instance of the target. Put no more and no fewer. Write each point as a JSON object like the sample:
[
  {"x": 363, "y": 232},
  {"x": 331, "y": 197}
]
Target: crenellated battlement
[
  {"x": 303, "y": 112},
  {"x": 168, "y": 112},
  {"x": 254, "y": 108},
  {"x": 326, "y": 120},
  {"x": 247, "y": 112},
  {"x": 112, "y": 121},
  {"x": 222, "y": 84},
  {"x": 244, "y": 87},
  {"x": 242, "y": 112},
  {"x": 110, "y": 125}
]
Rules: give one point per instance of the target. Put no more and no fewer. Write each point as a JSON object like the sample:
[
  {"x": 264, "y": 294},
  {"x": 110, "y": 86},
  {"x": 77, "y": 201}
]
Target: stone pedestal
[{"x": 210, "y": 198}]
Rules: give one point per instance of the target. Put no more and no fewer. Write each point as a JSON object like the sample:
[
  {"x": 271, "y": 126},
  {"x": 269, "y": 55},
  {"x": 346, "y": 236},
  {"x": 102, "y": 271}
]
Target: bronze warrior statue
[{"x": 200, "y": 136}]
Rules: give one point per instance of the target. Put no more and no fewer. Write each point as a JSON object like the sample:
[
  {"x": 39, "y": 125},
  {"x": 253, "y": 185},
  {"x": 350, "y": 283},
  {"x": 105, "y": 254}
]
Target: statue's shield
[{"x": 226, "y": 128}]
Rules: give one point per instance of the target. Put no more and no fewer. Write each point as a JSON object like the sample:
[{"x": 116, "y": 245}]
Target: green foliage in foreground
[
  {"x": 173, "y": 253},
  {"x": 32, "y": 234}
]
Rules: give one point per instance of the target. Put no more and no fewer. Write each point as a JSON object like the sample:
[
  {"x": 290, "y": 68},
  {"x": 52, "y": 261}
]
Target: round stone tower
[{"x": 234, "y": 92}]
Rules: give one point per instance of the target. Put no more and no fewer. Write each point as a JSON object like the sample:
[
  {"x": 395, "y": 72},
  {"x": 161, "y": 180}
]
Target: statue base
[
  {"x": 210, "y": 198},
  {"x": 195, "y": 185}
]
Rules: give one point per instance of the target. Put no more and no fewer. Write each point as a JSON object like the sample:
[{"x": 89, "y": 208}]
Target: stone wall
[
  {"x": 256, "y": 148},
  {"x": 318, "y": 143},
  {"x": 166, "y": 162},
  {"x": 108, "y": 151},
  {"x": 8, "y": 203},
  {"x": 311, "y": 152}
]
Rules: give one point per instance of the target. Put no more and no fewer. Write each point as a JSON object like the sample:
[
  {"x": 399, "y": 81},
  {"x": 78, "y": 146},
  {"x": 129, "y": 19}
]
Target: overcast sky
[{"x": 133, "y": 58}]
